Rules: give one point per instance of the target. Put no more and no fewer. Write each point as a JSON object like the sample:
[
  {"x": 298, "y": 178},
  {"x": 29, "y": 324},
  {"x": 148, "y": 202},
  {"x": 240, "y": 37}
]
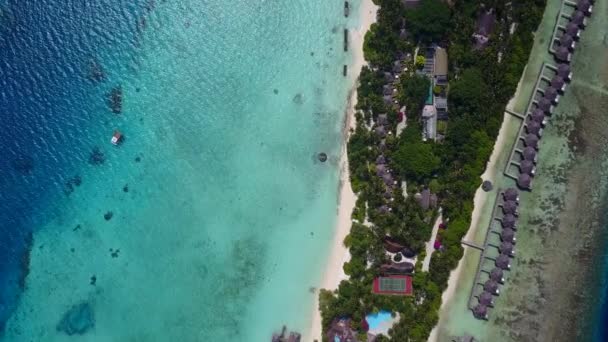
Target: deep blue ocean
[{"x": 49, "y": 100}]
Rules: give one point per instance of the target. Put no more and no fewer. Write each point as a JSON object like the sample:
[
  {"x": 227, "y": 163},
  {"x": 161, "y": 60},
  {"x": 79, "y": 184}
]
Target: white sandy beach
[
  {"x": 480, "y": 198},
  {"x": 339, "y": 254}
]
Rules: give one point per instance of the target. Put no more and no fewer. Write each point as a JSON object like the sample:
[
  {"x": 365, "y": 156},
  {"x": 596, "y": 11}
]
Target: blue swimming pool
[{"x": 375, "y": 320}]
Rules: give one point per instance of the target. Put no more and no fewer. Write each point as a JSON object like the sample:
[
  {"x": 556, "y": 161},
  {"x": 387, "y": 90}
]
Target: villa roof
[
  {"x": 388, "y": 77},
  {"x": 380, "y": 131},
  {"x": 506, "y": 248},
  {"x": 511, "y": 194},
  {"x": 503, "y": 262},
  {"x": 380, "y": 170},
  {"x": 382, "y": 119},
  {"x": 551, "y": 94},
  {"x": 538, "y": 115},
  {"x": 391, "y": 245},
  {"x": 380, "y": 160},
  {"x": 578, "y": 17},
  {"x": 558, "y": 83},
  {"x": 527, "y": 167},
  {"x": 485, "y": 22},
  {"x": 508, "y": 221},
  {"x": 531, "y": 140},
  {"x": 545, "y": 105},
  {"x": 398, "y": 268},
  {"x": 529, "y": 154},
  {"x": 509, "y": 207},
  {"x": 388, "y": 179},
  {"x": 564, "y": 71},
  {"x": 533, "y": 127},
  {"x": 566, "y": 40},
  {"x": 497, "y": 275},
  {"x": 387, "y": 89},
  {"x": 573, "y": 30},
  {"x": 480, "y": 312},
  {"x": 441, "y": 62},
  {"x": 507, "y": 235},
  {"x": 524, "y": 181},
  {"x": 486, "y": 298},
  {"x": 584, "y": 6},
  {"x": 491, "y": 286},
  {"x": 562, "y": 54}
]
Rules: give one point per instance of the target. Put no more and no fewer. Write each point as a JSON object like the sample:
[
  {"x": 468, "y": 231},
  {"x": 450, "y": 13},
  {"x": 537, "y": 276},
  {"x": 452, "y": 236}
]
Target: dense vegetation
[{"x": 481, "y": 83}]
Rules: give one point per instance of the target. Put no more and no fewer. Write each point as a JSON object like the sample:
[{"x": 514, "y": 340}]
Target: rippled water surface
[{"x": 212, "y": 219}]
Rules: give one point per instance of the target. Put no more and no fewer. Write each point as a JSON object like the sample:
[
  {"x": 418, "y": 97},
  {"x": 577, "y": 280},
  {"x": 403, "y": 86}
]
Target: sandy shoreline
[
  {"x": 339, "y": 254},
  {"x": 481, "y": 197}
]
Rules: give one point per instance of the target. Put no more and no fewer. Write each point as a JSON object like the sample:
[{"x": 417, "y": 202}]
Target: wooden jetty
[
  {"x": 346, "y": 9},
  {"x": 345, "y": 39},
  {"x": 345, "y": 70}
]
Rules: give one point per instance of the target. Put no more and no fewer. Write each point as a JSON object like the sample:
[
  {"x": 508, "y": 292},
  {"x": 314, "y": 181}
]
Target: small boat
[
  {"x": 116, "y": 138},
  {"x": 346, "y": 9}
]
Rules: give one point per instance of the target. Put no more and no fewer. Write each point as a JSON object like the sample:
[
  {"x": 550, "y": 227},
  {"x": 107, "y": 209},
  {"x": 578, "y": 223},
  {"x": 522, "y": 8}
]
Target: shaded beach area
[{"x": 553, "y": 289}]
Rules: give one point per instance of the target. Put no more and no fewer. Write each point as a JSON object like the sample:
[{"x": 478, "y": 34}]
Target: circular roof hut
[
  {"x": 486, "y": 298},
  {"x": 380, "y": 170},
  {"x": 506, "y": 248},
  {"x": 508, "y": 221},
  {"x": 491, "y": 286},
  {"x": 524, "y": 181},
  {"x": 511, "y": 194},
  {"x": 585, "y": 6},
  {"x": 562, "y": 54},
  {"x": 567, "y": 41},
  {"x": 529, "y": 154},
  {"x": 486, "y": 186},
  {"x": 480, "y": 312},
  {"x": 539, "y": 116},
  {"x": 558, "y": 83},
  {"x": 497, "y": 275},
  {"x": 322, "y": 157},
  {"x": 508, "y": 235},
  {"x": 573, "y": 30},
  {"x": 527, "y": 167},
  {"x": 545, "y": 105},
  {"x": 388, "y": 179},
  {"x": 531, "y": 140},
  {"x": 564, "y": 71},
  {"x": 551, "y": 94},
  {"x": 380, "y": 160},
  {"x": 509, "y": 207},
  {"x": 503, "y": 262},
  {"x": 578, "y": 17},
  {"x": 533, "y": 127}
]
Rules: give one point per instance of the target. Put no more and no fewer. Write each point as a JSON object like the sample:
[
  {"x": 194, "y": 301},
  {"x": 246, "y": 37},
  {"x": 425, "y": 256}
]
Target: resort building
[
  {"x": 511, "y": 194},
  {"x": 508, "y": 235},
  {"x": 585, "y": 6},
  {"x": 558, "y": 83},
  {"x": 497, "y": 275},
  {"x": 429, "y": 118},
  {"x": 400, "y": 285},
  {"x": 341, "y": 330},
  {"x": 524, "y": 181},
  {"x": 531, "y": 140},
  {"x": 527, "y": 167},
  {"x": 508, "y": 221},
  {"x": 481, "y": 312},
  {"x": 486, "y": 298},
  {"x": 485, "y": 25},
  {"x": 539, "y": 116}
]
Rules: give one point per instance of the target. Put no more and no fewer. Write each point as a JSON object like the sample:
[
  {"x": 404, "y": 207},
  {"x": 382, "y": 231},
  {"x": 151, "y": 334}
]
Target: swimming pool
[{"x": 375, "y": 320}]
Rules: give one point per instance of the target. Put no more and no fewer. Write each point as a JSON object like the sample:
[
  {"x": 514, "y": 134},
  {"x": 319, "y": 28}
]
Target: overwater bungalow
[
  {"x": 508, "y": 235},
  {"x": 382, "y": 119},
  {"x": 539, "y": 116},
  {"x": 381, "y": 160},
  {"x": 564, "y": 71},
  {"x": 573, "y": 30},
  {"x": 508, "y": 221},
  {"x": 531, "y": 140},
  {"x": 558, "y": 83},
  {"x": 527, "y": 167},
  {"x": 545, "y": 105},
  {"x": 480, "y": 312},
  {"x": 551, "y": 94},
  {"x": 486, "y": 298},
  {"x": 562, "y": 54},
  {"x": 503, "y": 262},
  {"x": 579, "y": 18},
  {"x": 567, "y": 41},
  {"x": 507, "y": 248},
  {"x": 497, "y": 275},
  {"x": 524, "y": 181},
  {"x": 380, "y": 131},
  {"x": 492, "y": 287},
  {"x": 511, "y": 194},
  {"x": 533, "y": 127},
  {"x": 509, "y": 207},
  {"x": 585, "y": 6},
  {"x": 529, "y": 154}
]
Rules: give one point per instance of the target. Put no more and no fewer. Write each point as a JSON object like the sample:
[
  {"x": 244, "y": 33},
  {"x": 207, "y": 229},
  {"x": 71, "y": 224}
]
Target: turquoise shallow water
[{"x": 228, "y": 216}]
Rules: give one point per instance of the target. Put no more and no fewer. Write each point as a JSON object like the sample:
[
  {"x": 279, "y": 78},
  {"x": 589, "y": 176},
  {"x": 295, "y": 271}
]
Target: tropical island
[{"x": 425, "y": 127}]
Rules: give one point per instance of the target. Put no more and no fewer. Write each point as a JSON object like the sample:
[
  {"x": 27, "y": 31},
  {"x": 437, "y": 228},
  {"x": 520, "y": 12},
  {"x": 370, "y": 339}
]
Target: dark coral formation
[
  {"x": 71, "y": 183},
  {"x": 96, "y": 72},
  {"x": 96, "y": 157},
  {"x": 115, "y": 99},
  {"x": 25, "y": 259},
  {"x": 108, "y": 215},
  {"x": 77, "y": 320}
]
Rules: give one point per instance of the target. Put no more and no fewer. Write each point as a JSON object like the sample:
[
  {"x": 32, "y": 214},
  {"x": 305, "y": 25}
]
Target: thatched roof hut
[
  {"x": 558, "y": 83},
  {"x": 380, "y": 131},
  {"x": 573, "y": 30},
  {"x": 529, "y": 154},
  {"x": 391, "y": 245},
  {"x": 527, "y": 167},
  {"x": 388, "y": 179},
  {"x": 387, "y": 89},
  {"x": 508, "y": 221},
  {"x": 562, "y": 54},
  {"x": 585, "y": 6},
  {"x": 579, "y": 18},
  {"x": 508, "y": 235},
  {"x": 381, "y": 160},
  {"x": 380, "y": 170},
  {"x": 511, "y": 194},
  {"x": 533, "y": 127},
  {"x": 545, "y": 105},
  {"x": 491, "y": 286},
  {"x": 551, "y": 94},
  {"x": 567, "y": 41},
  {"x": 564, "y": 71},
  {"x": 382, "y": 119},
  {"x": 531, "y": 140},
  {"x": 486, "y": 298},
  {"x": 397, "y": 268},
  {"x": 509, "y": 207},
  {"x": 497, "y": 275},
  {"x": 524, "y": 181},
  {"x": 507, "y": 248},
  {"x": 480, "y": 312},
  {"x": 503, "y": 262},
  {"x": 538, "y": 115}
]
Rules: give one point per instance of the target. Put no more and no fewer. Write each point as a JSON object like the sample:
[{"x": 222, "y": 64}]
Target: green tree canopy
[
  {"x": 468, "y": 94},
  {"x": 416, "y": 161},
  {"x": 414, "y": 91},
  {"x": 430, "y": 21}
]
